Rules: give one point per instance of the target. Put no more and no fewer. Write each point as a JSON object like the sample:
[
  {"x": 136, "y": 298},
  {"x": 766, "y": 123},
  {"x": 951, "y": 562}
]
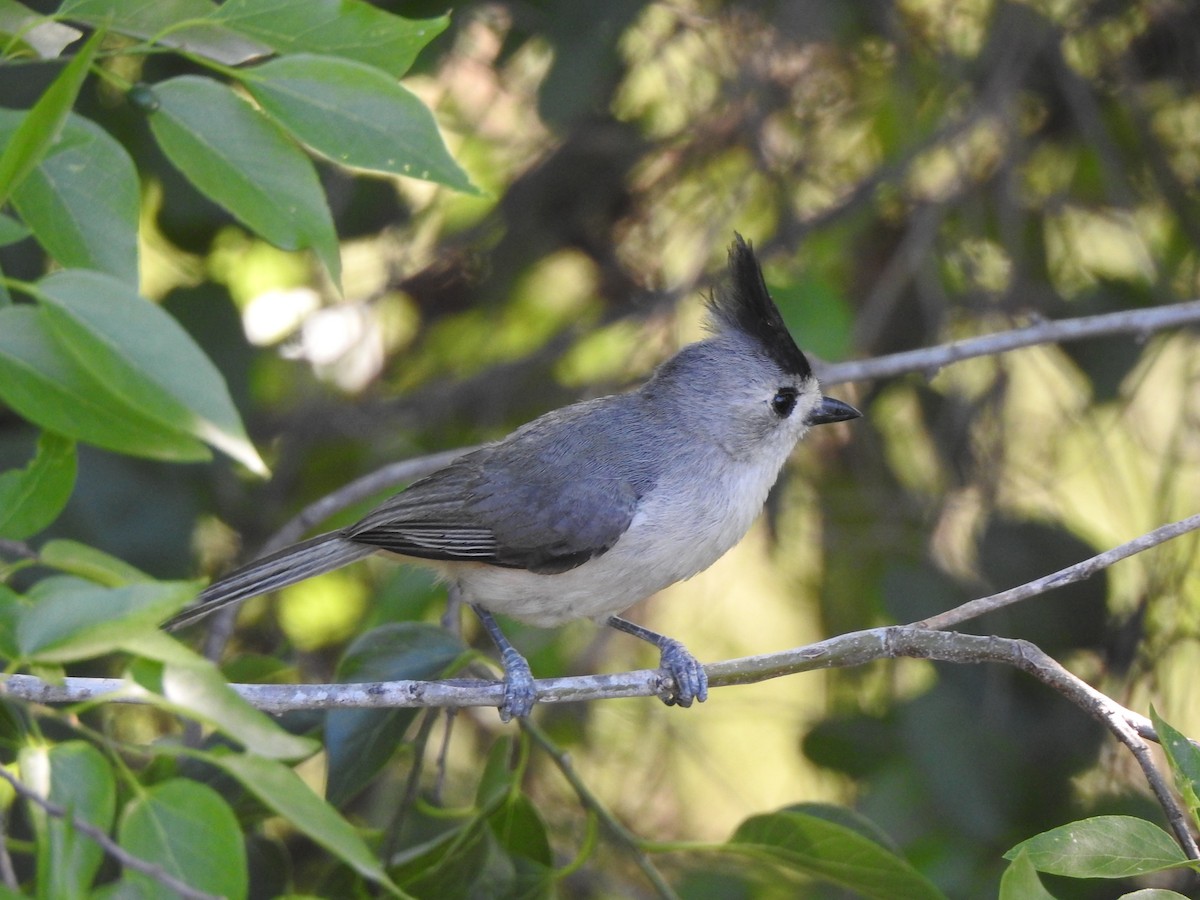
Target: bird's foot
[
  {"x": 519, "y": 691},
  {"x": 690, "y": 682}
]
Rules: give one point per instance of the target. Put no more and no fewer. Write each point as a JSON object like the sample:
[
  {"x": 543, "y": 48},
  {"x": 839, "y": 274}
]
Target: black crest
[{"x": 744, "y": 305}]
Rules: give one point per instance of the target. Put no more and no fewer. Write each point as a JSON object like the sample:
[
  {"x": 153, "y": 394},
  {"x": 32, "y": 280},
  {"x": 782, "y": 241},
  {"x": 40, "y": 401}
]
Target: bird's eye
[{"x": 784, "y": 402}]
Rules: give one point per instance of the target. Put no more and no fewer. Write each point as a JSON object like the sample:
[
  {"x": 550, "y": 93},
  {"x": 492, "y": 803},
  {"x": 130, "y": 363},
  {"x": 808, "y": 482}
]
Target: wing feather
[{"x": 547, "y": 498}]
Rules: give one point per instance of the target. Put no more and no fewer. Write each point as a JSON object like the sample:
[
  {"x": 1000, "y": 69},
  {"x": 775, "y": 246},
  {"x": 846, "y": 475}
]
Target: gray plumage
[{"x": 593, "y": 507}]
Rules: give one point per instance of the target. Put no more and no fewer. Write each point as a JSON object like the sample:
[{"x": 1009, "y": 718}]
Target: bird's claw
[
  {"x": 519, "y": 691},
  {"x": 684, "y": 670}
]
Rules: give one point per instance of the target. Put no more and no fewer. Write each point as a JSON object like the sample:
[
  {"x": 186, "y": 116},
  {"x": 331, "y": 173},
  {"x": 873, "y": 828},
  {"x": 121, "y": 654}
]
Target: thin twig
[
  {"x": 111, "y": 847},
  {"x": 627, "y": 839},
  {"x": 1078, "y": 572},
  {"x": 931, "y": 359}
]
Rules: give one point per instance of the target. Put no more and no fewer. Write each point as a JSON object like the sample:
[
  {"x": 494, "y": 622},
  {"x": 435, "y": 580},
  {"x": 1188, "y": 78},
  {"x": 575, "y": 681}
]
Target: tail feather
[{"x": 316, "y": 556}]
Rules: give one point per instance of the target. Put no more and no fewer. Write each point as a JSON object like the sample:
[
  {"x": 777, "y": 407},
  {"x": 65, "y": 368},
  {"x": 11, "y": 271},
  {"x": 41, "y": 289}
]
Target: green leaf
[
  {"x": 77, "y": 776},
  {"x": 87, "y": 562},
  {"x": 73, "y": 619},
  {"x": 12, "y": 607},
  {"x": 12, "y": 231},
  {"x": 44, "y": 383},
  {"x": 1103, "y": 847},
  {"x": 191, "y": 684},
  {"x": 26, "y": 33},
  {"x": 283, "y": 791},
  {"x": 359, "y": 742},
  {"x": 172, "y": 23},
  {"x": 1020, "y": 881},
  {"x": 1184, "y": 758},
  {"x": 145, "y": 358},
  {"x": 185, "y": 827},
  {"x": 40, "y": 126},
  {"x": 519, "y": 828},
  {"x": 346, "y": 28},
  {"x": 355, "y": 115},
  {"x": 31, "y": 498},
  {"x": 459, "y": 862},
  {"x": 81, "y": 200},
  {"x": 813, "y": 846},
  {"x": 242, "y": 160},
  {"x": 496, "y": 780}
]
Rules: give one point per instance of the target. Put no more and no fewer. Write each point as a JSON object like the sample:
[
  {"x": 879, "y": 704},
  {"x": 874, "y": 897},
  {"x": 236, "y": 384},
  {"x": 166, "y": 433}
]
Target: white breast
[{"x": 677, "y": 532}]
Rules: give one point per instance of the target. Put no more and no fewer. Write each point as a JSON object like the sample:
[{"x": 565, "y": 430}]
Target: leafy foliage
[{"x": 176, "y": 176}]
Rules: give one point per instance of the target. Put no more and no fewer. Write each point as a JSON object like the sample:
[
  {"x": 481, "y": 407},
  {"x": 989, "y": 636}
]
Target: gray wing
[{"x": 547, "y": 498}]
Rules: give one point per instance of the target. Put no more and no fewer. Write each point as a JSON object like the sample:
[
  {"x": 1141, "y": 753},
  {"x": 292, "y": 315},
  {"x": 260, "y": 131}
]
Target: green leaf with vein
[
  {"x": 1103, "y": 847},
  {"x": 283, "y": 791},
  {"x": 145, "y": 358},
  {"x": 84, "y": 560},
  {"x": 184, "y": 826},
  {"x": 355, "y": 115},
  {"x": 244, "y": 161},
  {"x": 41, "y": 125},
  {"x": 347, "y": 28},
  {"x": 75, "y": 775},
  {"x": 72, "y": 619},
  {"x": 81, "y": 200},
  {"x": 816, "y": 842},
  {"x": 182, "y": 24},
  {"x": 45, "y": 384}
]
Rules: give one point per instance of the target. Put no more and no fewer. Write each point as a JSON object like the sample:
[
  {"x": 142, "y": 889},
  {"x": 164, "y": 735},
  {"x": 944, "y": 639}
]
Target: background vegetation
[{"x": 910, "y": 173}]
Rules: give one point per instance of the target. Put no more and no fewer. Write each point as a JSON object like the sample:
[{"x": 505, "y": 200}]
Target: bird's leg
[
  {"x": 691, "y": 682},
  {"x": 519, "y": 693}
]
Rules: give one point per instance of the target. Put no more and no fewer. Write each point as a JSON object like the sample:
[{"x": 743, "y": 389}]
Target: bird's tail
[{"x": 316, "y": 556}]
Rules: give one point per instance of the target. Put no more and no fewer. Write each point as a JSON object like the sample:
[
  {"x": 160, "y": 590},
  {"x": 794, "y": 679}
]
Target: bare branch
[
  {"x": 111, "y": 847},
  {"x": 1071, "y": 574},
  {"x": 854, "y": 648},
  {"x": 931, "y": 359}
]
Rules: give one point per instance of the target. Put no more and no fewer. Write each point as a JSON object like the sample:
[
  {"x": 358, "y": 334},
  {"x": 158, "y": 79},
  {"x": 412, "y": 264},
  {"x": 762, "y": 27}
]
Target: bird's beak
[{"x": 830, "y": 410}]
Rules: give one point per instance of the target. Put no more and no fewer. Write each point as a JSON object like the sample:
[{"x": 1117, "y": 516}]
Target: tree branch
[
  {"x": 931, "y": 359},
  {"x": 1071, "y": 574},
  {"x": 922, "y": 640}
]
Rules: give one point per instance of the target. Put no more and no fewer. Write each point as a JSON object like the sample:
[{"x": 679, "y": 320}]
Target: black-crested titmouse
[{"x": 588, "y": 509}]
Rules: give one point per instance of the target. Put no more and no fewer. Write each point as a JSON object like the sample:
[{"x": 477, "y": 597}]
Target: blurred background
[{"x": 910, "y": 172}]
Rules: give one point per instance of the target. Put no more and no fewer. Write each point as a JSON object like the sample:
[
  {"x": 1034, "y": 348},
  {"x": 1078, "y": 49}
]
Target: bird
[{"x": 593, "y": 507}]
